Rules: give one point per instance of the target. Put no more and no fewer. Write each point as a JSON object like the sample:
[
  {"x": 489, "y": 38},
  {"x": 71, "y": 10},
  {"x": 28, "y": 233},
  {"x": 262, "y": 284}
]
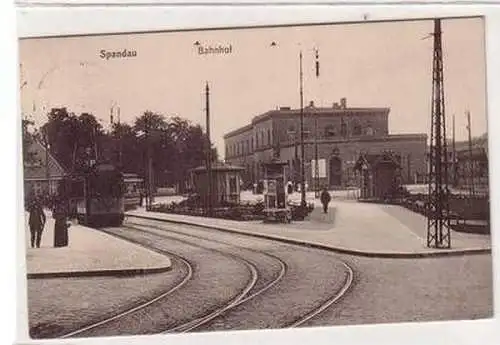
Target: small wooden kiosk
[
  {"x": 275, "y": 194},
  {"x": 226, "y": 180}
]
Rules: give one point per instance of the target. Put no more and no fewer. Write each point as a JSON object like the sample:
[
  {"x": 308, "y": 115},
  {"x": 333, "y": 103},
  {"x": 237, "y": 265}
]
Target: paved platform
[
  {"x": 90, "y": 252},
  {"x": 366, "y": 229}
]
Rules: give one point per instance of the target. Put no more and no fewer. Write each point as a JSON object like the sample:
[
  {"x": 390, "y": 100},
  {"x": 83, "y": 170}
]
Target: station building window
[
  {"x": 330, "y": 131},
  {"x": 356, "y": 129},
  {"x": 343, "y": 129},
  {"x": 307, "y": 132}
]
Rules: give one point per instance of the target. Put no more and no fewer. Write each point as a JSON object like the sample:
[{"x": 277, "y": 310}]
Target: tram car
[
  {"x": 133, "y": 189},
  {"x": 97, "y": 197}
]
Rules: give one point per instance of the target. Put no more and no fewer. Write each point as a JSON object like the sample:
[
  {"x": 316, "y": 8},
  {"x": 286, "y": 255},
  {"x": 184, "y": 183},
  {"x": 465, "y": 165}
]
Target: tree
[
  {"x": 73, "y": 140},
  {"x": 127, "y": 152},
  {"x": 175, "y": 145},
  {"x": 29, "y": 157}
]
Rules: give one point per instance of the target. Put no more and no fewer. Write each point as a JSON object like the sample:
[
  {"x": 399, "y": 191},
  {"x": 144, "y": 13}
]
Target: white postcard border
[{"x": 79, "y": 20}]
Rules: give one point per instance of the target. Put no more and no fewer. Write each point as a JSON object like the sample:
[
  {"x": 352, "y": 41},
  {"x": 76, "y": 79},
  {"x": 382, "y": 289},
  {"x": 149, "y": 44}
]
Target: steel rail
[
  {"x": 335, "y": 298},
  {"x": 192, "y": 324},
  {"x": 186, "y": 278},
  {"x": 347, "y": 285},
  {"x": 281, "y": 274}
]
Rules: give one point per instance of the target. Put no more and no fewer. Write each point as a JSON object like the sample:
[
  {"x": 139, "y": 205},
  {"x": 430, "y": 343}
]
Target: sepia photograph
[{"x": 255, "y": 178}]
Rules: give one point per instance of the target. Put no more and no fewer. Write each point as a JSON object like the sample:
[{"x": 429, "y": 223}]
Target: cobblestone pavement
[
  {"x": 426, "y": 289},
  {"x": 216, "y": 279},
  {"x": 384, "y": 290},
  {"x": 311, "y": 278},
  {"x": 61, "y": 305}
]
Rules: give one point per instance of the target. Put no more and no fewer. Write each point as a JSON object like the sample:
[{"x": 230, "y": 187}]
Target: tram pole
[
  {"x": 209, "y": 152},
  {"x": 302, "y": 153}
]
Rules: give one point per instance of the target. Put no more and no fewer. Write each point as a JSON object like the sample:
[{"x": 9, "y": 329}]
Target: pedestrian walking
[
  {"x": 61, "y": 226},
  {"x": 325, "y": 199},
  {"x": 36, "y": 222}
]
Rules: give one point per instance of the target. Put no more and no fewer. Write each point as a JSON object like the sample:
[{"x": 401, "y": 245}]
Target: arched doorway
[{"x": 335, "y": 172}]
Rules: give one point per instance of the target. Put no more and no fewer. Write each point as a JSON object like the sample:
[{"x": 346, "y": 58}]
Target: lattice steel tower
[{"x": 438, "y": 222}]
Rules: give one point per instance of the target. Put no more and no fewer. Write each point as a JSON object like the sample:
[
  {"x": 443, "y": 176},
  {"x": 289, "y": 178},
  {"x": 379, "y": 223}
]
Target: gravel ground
[
  {"x": 312, "y": 277},
  {"x": 384, "y": 290},
  {"x": 432, "y": 289},
  {"x": 268, "y": 266},
  {"x": 210, "y": 286},
  {"x": 59, "y": 306}
]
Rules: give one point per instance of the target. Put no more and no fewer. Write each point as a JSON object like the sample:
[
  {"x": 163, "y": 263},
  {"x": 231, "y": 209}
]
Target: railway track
[
  {"x": 256, "y": 285},
  {"x": 186, "y": 278},
  {"x": 298, "y": 322},
  {"x": 247, "y": 294}
]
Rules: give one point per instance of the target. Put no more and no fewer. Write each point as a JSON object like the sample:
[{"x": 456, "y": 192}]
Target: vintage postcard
[{"x": 256, "y": 178}]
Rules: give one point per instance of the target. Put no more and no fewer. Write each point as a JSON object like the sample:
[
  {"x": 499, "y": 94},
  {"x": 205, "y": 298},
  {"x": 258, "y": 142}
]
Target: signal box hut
[
  {"x": 226, "y": 182},
  {"x": 380, "y": 175}
]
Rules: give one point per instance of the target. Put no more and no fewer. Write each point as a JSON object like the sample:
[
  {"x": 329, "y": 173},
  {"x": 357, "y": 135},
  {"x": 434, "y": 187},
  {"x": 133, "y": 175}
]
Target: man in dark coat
[
  {"x": 60, "y": 215},
  {"x": 325, "y": 199},
  {"x": 36, "y": 222}
]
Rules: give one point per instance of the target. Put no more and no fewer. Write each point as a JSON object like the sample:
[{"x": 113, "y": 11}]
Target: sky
[{"x": 385, "y": 64}]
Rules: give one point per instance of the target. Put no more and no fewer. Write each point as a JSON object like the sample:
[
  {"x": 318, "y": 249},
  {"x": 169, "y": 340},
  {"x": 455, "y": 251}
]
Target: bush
[
  {"x": 300, "y": 212},
  {"x": 258, "y": 209}
]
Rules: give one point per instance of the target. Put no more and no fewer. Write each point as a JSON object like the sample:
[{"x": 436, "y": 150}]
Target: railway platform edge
[
  {"x": 90, "y": 253},
  {"x": 392, "y": 240}
]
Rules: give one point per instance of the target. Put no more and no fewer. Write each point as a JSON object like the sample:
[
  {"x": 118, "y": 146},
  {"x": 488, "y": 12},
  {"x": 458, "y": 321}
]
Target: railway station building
[{"x": 339, "y": 134}]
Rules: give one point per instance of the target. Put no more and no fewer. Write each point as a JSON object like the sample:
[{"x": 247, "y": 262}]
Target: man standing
[
  {"x": 325, "y": 199},
  {"x": 36, "y": 222}
]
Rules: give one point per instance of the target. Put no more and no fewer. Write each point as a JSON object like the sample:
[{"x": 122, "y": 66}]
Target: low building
[
  {"x": 337, "y": 135},
  {"x": 43, "y": 174},
  {"x": 226, "y": 183},
  {"x": 380, "y": 175}
]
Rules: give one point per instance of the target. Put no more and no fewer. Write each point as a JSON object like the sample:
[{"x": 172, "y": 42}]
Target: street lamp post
[
  {"x": 302, "y": 153},
  {"x": 209, "y": 153},
  {"x": 47, "y": 171},
  {"x": 316, "y": 163}
]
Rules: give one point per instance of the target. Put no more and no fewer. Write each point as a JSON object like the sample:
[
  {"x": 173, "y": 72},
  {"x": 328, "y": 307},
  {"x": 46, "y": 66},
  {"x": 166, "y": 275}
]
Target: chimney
[{"x": 343, "y": 102}]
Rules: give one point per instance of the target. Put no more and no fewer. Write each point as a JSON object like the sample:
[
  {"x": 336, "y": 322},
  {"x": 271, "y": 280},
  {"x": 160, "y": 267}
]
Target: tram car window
[{"x": 101, "y": 198}]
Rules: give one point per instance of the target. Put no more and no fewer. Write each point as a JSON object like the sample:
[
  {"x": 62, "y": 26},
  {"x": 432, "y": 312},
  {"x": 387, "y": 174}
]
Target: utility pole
[
  {"x": 438, "y": 222},
  {"x": 454, "y": 157},
  {"x": 150, "y": 175},
  {"x": 316, "y": 163},
  {"x": 47, "y": 171},
  {"x": 471, "y": 159},
  {"x": 120, "y": 153},
  {"x": 149, "y": 166},
  {"x": 302, "y": 153},
  {"x": 209, "y": 153},
  {"x": 408, "y": 162}
]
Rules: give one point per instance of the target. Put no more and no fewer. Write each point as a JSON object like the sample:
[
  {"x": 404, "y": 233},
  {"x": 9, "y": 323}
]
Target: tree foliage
[
  {"x": 29, "y": 157},
  {"x": 174, "y": 144}
]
